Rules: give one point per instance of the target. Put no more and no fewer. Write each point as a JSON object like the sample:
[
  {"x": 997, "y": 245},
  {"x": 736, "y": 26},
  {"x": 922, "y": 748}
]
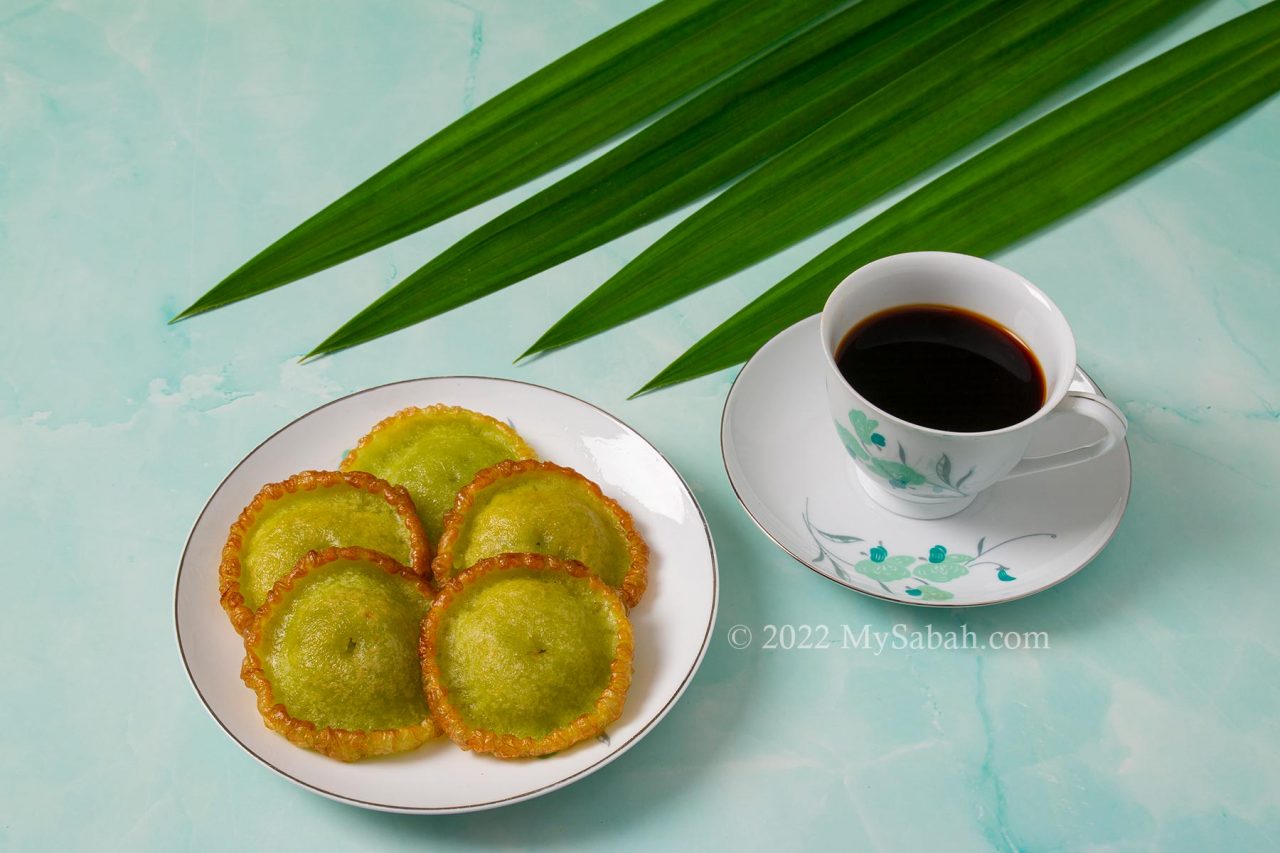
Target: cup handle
[{"x": 1098, "y": 409}]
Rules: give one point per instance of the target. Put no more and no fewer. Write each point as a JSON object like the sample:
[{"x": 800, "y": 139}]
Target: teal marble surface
[{"x": 147, "y": 148}]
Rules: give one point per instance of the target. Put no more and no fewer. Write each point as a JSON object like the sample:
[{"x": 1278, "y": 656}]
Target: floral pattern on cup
[
  {"x": 921, "y": 576},
  {"x": 867, "y": 446}
]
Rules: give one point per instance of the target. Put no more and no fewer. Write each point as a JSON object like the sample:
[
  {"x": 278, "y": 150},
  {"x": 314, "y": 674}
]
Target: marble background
[{"x": 146, "y": 148}]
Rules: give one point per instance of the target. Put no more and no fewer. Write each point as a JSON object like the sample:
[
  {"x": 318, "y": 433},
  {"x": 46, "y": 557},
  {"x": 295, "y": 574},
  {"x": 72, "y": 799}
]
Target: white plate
[
  {"x": 793, "y": 477},
  {"x": 672, "y": 622}
]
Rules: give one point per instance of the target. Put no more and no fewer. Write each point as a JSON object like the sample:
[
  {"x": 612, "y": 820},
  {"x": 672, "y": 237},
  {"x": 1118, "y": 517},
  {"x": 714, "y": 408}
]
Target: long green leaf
[
  {"x": 741, "y": 121},
  {"x": 900, "y": 131},
  {"x": 1027, "y": 181},
  {"x": 572, "y": 105}
]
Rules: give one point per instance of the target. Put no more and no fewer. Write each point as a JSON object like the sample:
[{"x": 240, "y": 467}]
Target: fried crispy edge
[
  {"x": 342, "y": 744},
  {"x": 520, "y": 447},
  {"x": 634, "y": 580},
  {"x": 607, "y": 708},
  {"x": 229, "y": 569}
]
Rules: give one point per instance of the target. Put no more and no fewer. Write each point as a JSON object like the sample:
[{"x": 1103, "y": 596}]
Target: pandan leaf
[
  {"x": 1026, "y": 51},
  {"x": 1034, "y": 177},
  {"x": 581, "y": 100},
  {"x": 735, "y": 125}
]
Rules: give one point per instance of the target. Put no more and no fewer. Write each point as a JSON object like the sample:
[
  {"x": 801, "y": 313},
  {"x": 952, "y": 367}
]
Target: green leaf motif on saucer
[
  {"x": 922, "y": 574},
  {"x": 886, "y": 569}
]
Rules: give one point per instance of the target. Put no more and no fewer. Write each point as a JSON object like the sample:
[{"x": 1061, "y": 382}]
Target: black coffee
[{"x": 942, "y": 367}]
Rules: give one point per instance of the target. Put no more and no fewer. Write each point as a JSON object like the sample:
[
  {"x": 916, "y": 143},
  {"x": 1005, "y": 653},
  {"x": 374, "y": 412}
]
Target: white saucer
[{"x": 792, "y": 476}]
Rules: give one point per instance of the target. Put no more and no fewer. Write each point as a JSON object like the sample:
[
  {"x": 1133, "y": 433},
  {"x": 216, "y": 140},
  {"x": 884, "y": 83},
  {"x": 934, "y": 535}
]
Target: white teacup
[{"x": 927, "y": 473}]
